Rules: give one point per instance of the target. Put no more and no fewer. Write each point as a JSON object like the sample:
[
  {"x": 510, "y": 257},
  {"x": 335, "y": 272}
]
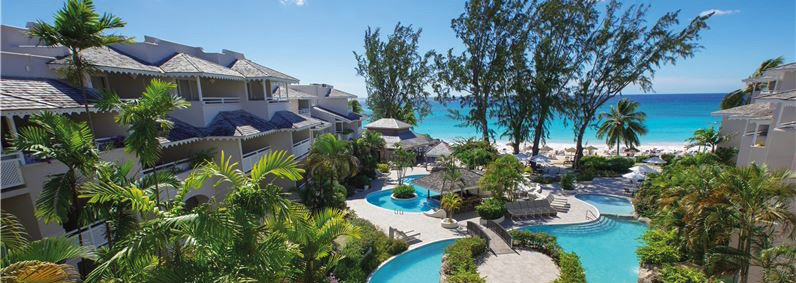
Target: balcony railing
[
  {"x": 176, "y": 167},
  {"x": 251, "y": 158},
  {"x": 93, "y": 234},
  {"x": 11, "y": 171},
  {"x": 220, "y": 100},
  {"x": 301, "y": 148},
  {"x": 305, "y": 111},
  {"x": 109, "y": 143}
]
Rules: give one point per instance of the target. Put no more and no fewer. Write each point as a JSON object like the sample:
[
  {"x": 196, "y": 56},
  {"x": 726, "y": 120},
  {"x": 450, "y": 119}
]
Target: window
[
  {"x": 338, "y": 127},
  {"x": 187, "y": 89},
  {"x": 255, "y": 89},
  {"x": 99, "y": 82}
]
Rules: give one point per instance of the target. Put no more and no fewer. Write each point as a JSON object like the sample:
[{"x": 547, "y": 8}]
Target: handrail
[
  {"x": 257, "y": 151},
  {"x": 220, "y": 100},
  {"x": 500, "y": 231},
  {"x": 592, "y": 213},
  {"x": 475, "y": 229},
  {"x": 173, "y": 164},
  {"x": 301, "y": 142}
]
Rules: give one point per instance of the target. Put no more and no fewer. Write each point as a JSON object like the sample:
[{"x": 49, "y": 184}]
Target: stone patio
[{"x": 522, "y": 266}]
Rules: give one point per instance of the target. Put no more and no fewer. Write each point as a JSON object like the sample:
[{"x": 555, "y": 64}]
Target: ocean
[{"x": 671, "y": 118}]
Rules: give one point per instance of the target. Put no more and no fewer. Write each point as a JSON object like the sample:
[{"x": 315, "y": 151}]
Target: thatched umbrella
[{"x": 590, "y": 148}]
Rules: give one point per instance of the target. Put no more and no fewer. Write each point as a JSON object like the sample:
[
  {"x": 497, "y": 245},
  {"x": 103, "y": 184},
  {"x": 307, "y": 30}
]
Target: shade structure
[
  {"x": 441, "y": 149},
  {"x": 591, "y": 147},
  {"x": 654, "y": 160},
  {"x": 571, "y": 149},
  {"x": 635, "y": 176},
  {"x": 630, "y": 149},
  {"x": 643, "y": 169},
  {"x": 545, "y": 149}
]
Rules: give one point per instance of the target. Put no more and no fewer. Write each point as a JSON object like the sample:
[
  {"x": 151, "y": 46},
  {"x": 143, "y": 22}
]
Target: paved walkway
[{"x": 520, "y": 266}]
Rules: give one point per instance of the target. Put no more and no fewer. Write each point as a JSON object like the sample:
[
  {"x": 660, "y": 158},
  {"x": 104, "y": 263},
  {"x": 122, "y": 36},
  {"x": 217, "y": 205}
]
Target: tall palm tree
[
  {"x": 242, "y": 238},
  {"x": 706, "y": 138},
  {"x": 316, "y": 242},
  {"x": 72, "y": 143},
  {"x": 623, "y": 124},
  {"x": 331, "y": 157},
  {"x": 759, "y": 199},
  {"x": 37, "y": 261},
  {"x": 146, "y": 117},
  {"x": 373, "y": 141},
  {"x": 743, "y": 96},
  {"x": 77, "y": 26}
]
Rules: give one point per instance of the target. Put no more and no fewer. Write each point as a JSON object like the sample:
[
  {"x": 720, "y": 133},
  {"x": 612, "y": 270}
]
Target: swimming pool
[
  {"x": 608, "y": 204},
  {"x": 606, "y": 247},
  {"x": 415, "y": 266},
  {"x": 422, "y": 203}
]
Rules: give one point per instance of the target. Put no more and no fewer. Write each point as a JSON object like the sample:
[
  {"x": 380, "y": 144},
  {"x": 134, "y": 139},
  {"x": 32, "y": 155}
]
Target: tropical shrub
[
  {"x": 607, "y": 166},
  {"x": 726, "y": 155},
  {"x": 502, "y": 176},
  {"x": 585, "y": 175},
  {"x": 362, "y": 255},
  {"x": 459, "y": 260},
  {"x": 660, "y": 247},
  {"x": 491, "y": 208},
  {"x": 359, "y": 181},
  {"x": 682, "y": 274},
  {"x": 571, "y": 269},
  {"x": 383, "y": 167},
  {"x": 474, "y": 153},
  {"x": 528, "y": 169},
  {"x": 568, "y": 181},
  {"x": 546, "y": 179},
  {"x": 404, "y": 191}
]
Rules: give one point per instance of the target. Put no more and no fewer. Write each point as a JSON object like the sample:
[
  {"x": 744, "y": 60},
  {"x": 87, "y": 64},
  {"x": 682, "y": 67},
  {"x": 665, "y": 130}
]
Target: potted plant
[
  {"x": 450, "y": 202},
  {"x": 568, "y": 182},
  {"x": 491, "y": 209},
  {"x": 404, "y": 192}
]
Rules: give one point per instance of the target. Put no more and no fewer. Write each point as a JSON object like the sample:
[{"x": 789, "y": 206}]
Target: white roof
[{"x": 388, "y": 123}]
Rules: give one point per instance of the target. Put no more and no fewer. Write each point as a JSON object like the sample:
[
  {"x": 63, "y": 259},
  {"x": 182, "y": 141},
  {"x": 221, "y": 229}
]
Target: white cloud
[
  {"x": 718, "y": 12},
  {"x": 297, "y": 2}
]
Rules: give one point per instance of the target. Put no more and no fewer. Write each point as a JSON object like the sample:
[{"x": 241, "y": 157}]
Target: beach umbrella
[
  {"x": 521, "y": 156},
  {"x": 571, "y": 149},
  {"x": 654, "y": 160},
  {"x": 590, "y": 148},
  {"x": 540, "y": 159},
  {"x": 643, "y": 169},
  {"x": 545, "y": 149},
  {"x": 635, "y": 176}
]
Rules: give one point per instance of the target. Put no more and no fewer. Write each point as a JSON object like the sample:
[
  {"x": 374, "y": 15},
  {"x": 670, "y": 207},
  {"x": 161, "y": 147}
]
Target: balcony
[
  {"x": 11, "y": 171},
  {"x": 251, "y": 158},
  {"x": 304, "y": 111},
  {"x": 179, "y": 166},
  {"x": 108, "y": 143},
  {"x": 301, "y": 148},
  {"x": 93, "y": 234}
]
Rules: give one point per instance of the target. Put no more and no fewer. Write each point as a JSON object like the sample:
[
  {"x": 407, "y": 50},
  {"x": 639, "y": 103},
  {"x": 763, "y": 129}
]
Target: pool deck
[{"x": 511, "y": 267}]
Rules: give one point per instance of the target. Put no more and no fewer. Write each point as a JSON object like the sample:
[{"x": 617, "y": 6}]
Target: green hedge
[
  {"x": 383, "y": 167},
  {"x": 682, "y": 274},
  {"x": 459, "y": 264},
  {"x": 491, "y": 208},
  {"x": 357, "y": 263},
  {"x": 571, "y": 269},
  {"x": 607, "y": 166},
  {"x": 404, "y": 191}
]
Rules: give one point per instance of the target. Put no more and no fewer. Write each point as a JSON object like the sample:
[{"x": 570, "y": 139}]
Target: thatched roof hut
[{"x": 434, "y": 182}]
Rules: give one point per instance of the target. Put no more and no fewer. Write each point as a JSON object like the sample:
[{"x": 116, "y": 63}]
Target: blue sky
[{"x": 314, "y": 39}]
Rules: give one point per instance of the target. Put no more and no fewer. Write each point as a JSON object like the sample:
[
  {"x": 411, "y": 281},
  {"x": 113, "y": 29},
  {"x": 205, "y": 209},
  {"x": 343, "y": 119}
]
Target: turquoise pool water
[
  {"x": 422, "y": 203},
  {"x": 608, "y": 204},
  {"x": 419, "y": 265},
  {"x": 606, "y": 247}
]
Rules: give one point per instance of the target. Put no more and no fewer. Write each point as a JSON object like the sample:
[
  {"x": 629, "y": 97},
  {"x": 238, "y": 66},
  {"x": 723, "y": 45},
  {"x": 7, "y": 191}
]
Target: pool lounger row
[{"x": 533, "y": 208}]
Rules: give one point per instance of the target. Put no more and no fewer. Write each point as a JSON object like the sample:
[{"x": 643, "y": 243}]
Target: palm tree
[
  {"x": 240, "y": 239},
  {"x": 331, "y": 158},
  {"x": 78, "y": 27},
  {"x": 706, "y": 137},
  {"x": 450, "y": 202},
  {"x": 367, "y": 148},
  {"x": 56, "y": 136},
  {"x": 37, "y": 261},
  {"x": 759, "y": 199},
  {"x": 356, "y": 107},
  {"x": 450, "y": 172},
  {"x": 744, "y": 96},
  {"x": 146, "y": 117},
  {"x": 316, "y": 242},
  {"x": 623, "y": 124}
]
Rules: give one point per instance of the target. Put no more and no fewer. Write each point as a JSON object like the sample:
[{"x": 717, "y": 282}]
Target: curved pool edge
[
  {"x": 390, "y": 187},
  {"x": 634, "y": 215},
  {"x": 393, "y": 210},
  {"x": 370, "y": 276}
]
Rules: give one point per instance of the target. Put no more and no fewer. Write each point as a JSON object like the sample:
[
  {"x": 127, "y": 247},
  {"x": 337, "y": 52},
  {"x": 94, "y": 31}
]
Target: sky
[{"x": 314, "y": 40}]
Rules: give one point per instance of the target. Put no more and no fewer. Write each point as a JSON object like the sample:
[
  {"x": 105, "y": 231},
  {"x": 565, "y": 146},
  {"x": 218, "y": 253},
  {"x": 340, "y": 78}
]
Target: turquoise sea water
[
  {"x": 606, "y": 247},
  {"x": 422, "y": 203},
  {"x": 608, "y": 204},
  {"x": 671, "y": 118},
  {"x": 415, "y": 266}
]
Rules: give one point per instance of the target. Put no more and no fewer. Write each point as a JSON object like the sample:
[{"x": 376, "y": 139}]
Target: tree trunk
[
  {"x": 485, "y": 128},
  {"x": 617, "y": 149},
  {"x": 81, "y": 72},
  {"x": 538, "y": 131},
  {"x": 579, "y": 146}
]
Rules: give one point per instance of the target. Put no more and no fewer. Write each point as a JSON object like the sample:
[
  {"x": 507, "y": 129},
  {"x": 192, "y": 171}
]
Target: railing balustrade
[
  {"x": 178, "y": 166},
  {"x": 251, "y": 158},
  {"x": 11, "y": 170},
  {"x": 93, "y": 234},
  {"x": 220, "y": 100},
  {"x": 500, "y": 231}
]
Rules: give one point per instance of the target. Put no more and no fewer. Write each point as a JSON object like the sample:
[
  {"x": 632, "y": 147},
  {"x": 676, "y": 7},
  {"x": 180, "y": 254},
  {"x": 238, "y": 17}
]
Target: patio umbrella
[
  {"x": 654, "y": 160},
  {"x": 643, "y": 169},
  {"x": 571, "y": 149},
  {"x": 545, "y": 149},
  {"x": 590, "y": 148},
  {"x": 634, "y": 176}
]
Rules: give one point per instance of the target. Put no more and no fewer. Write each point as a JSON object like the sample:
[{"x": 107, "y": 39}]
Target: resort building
[
  {"x": 397, "y": 133},
  {"x": 238, "y": 107},
  {"x": 764, "y": 131}
]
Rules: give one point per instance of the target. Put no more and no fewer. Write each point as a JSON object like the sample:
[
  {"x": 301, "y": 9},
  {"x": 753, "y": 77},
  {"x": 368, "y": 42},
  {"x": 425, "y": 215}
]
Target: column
[{"x": 199, "y": 88}]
